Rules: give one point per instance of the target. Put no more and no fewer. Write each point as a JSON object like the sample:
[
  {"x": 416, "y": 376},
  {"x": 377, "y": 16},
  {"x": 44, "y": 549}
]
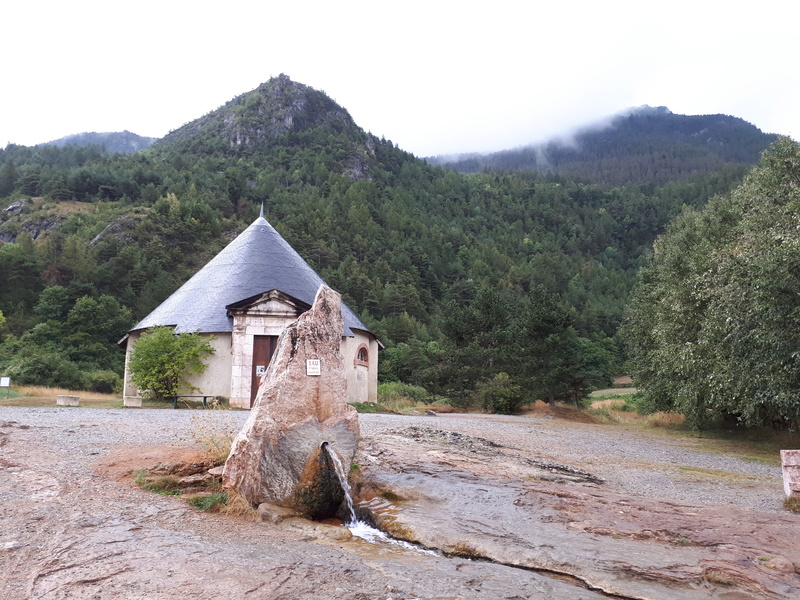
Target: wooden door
[{"x": 263, "y": 349}]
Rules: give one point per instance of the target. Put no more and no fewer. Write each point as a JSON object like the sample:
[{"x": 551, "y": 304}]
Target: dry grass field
[{"x": 31, "y": 396}]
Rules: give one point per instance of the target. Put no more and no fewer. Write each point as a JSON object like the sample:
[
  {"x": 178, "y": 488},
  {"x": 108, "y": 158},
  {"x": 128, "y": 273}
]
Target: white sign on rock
[{"x": 313, "y": 366}]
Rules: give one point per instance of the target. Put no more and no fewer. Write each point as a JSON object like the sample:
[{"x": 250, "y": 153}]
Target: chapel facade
[{"x": 243, "y": 299}]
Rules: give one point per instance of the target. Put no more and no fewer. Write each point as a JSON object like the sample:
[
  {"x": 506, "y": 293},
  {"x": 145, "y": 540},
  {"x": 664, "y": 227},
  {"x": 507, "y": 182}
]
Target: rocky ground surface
[{"x": 524, "y": 507}]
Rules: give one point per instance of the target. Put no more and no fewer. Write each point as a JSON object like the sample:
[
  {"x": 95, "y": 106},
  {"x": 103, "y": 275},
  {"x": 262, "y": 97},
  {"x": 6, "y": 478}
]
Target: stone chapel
[{"x": 245, "y": 297}]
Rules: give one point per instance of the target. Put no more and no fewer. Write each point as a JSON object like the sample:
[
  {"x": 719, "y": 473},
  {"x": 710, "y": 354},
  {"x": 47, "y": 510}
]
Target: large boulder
[{"x": 278, "y": 455}]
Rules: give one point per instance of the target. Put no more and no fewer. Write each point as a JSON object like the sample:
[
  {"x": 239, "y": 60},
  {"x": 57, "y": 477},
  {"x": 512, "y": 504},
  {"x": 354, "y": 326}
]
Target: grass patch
[
  {"x": 693, "y": 473},
  {"x": 792, "y": 504},
  {"x": 215, "y": 430},
  {"x": 755, "y": 445},
  {"x": 666, "y": 420},
  {"x": 212, "y": 503},
  {"x": 369, "y": 407},
  {"x": 33, "y": 396},
  {"x": 166, "y": 485},
  {"x": 237, "y": 506}
]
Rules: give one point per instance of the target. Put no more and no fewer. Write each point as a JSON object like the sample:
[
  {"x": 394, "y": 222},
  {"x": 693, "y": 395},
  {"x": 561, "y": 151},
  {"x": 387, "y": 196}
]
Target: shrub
[
  {"x": 162, "y": 360},
  {"x": 499, "y": 394},
  {"x": 105, "y": 382},
  {"x": 395, "y": 390},
  {"x": 215, "y": 430},
  {"x": 792, "y": 504},
  {"x": 48, "y": 369}
]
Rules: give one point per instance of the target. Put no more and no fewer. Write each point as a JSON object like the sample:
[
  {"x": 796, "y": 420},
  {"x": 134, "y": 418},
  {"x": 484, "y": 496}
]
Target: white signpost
[
  {"x": 5, "y": 382},
  {"x": 313, "y": 366}
]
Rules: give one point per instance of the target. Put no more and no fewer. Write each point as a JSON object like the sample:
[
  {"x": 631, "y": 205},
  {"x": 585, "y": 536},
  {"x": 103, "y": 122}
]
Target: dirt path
[{"x": 70, "y": 528}]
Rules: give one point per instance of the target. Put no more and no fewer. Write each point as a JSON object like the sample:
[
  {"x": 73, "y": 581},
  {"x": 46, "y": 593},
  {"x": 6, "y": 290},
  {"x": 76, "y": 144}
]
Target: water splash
[{"x": 359, "y": 528}]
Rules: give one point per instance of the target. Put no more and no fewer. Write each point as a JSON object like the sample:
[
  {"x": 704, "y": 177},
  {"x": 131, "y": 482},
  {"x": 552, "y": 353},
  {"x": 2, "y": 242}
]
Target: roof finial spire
[{"x": 262, "y": 211}]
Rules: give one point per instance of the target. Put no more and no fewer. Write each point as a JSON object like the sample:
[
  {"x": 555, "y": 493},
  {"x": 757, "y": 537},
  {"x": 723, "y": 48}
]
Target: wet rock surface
[
  {"x": 71, "y": 526},
  {"x": 474, "y": 497}
]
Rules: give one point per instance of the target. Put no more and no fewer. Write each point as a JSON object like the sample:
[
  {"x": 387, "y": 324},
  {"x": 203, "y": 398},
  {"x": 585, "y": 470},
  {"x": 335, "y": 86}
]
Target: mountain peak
[{"x": 273, "y": 110}]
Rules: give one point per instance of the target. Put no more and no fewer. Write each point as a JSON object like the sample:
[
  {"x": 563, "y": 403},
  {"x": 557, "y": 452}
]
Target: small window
[{"x": 362, "y": 356}]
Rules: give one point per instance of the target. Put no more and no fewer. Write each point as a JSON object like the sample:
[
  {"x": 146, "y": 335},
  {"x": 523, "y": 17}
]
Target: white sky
[{"x": 435, "y": 77}]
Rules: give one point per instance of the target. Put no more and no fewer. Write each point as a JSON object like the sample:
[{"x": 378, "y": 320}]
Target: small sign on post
[
  {"x": 5, "y": 382},
  {"x": 313, "y": 366}
]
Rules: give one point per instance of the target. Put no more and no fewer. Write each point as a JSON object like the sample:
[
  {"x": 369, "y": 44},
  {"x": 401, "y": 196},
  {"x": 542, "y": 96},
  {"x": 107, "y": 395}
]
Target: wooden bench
[{"x": 205, "y": 400}]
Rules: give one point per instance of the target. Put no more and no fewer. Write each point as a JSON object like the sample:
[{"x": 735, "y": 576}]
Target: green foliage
[
  {"x": 532, "y": 342},
  {"x": 43, "y": 366},
  {"x": 209, "y": 503},
  {"x": 162, "y": 361},
  {"x": 499, "y": 395},
  {"x": 713, "y": 324},
  {"x": 395, "y": 390},
  {"x": 105, "y": 382}
]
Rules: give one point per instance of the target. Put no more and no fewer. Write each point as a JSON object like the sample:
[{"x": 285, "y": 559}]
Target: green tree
[
  {"x": 162, "y": 361},
  {"x": 546, "y": 348},
  {"x": 714, "y": 323}
]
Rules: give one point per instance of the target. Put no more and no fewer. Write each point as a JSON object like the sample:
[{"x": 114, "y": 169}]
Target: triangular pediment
[{"x": 269, "y": 303}]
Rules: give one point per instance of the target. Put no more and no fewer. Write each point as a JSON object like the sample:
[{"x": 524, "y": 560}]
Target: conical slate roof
[{"x": 257, "y": 261}]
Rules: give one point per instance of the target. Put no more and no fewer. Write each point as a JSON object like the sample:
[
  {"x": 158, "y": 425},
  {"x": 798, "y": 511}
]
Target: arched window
[{"x": 362, "y": 356}]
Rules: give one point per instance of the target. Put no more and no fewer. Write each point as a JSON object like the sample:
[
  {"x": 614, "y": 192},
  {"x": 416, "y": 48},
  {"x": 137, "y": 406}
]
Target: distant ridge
[
  {"x": 116, "y": 142},
  {"x": 640, "y": 145}
]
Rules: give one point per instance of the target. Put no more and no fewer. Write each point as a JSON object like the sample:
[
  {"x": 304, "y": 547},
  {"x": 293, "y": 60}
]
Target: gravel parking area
[
  {"x": 637, "y": 462},
  {"x": 649, "y": 515}
]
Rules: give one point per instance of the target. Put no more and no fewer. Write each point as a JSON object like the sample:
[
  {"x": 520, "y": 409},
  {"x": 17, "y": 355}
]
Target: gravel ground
[
  {"x": 69, "y": 529},
  {"x": 636, "y": 462}
]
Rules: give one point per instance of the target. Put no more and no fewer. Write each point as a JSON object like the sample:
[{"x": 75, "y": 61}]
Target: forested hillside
[
  {"x": 476, "y": 283},
  {"x": 645, "y": 145},
  {"x": 122, "y": 142}
]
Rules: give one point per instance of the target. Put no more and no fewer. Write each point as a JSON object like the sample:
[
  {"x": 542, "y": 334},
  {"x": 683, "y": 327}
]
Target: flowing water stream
[{"x": 359, "y": 528}]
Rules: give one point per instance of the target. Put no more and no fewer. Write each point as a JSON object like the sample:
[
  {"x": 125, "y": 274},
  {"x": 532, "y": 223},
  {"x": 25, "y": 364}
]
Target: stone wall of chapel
[
  {"x": 129, "y": 391},
  {"x": 362, "y": 380},
  {"x": 216, "y": 380}
]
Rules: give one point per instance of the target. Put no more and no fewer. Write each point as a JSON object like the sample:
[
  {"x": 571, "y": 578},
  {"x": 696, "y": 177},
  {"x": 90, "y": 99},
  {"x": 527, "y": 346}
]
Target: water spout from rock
[
  {"x": 341, "y": 473},
  {"x": 358, "y": 527}
]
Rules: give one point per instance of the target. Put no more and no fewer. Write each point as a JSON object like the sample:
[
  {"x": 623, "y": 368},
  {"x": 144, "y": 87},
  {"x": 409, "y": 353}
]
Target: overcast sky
[{"x": 435, "y": 77}]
